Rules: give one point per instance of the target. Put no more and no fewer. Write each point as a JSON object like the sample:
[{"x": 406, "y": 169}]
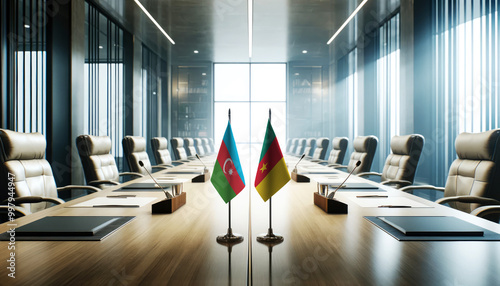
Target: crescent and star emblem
[{"x": 230, "y": 171}]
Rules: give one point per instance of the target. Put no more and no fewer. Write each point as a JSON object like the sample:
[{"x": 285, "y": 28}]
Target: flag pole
[
  {"x": 270, "y": 238},
  {"x": 230, "y": 238}
]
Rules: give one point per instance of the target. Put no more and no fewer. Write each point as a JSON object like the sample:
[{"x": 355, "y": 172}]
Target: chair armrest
[
  {"x": 338, "y": 166},
  {"x": 131, "y": 174},
  {"x": 163, "y": 167},
  {"x": 166, "y": 165},
  {"x": 469, "y": 199},
  {"x": 485, "y": 211},
  {"x": 98, "y": 183},
  {"x": 410, "y": 189},
  {"x": 91, "y": 189},
  {"x": 365, "y": 174},
  {"x": 16, "y": 209},
  {"x": 401, "y": 183},
  {"x": 36, "y": 199}
]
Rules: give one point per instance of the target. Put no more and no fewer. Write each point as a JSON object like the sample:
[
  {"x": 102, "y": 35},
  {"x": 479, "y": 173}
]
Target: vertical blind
[
  {"x": 388, "y": 75},
  {"x": 104, "y": 85},
  {"x": 347, "y": 87},
  {"x": 154, "y": 80},
  {"x": 27, "y": 65},
  {"x": 466, "y": 42}
]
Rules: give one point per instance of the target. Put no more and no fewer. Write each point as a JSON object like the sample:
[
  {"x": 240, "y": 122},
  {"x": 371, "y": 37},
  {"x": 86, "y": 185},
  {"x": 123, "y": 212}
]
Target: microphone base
[
  {"x": 168, "y": 206},
  {"x": 299, "y": 178},
  {"x": 330, "y": 206},
  {"x": 202, "y": 178}
]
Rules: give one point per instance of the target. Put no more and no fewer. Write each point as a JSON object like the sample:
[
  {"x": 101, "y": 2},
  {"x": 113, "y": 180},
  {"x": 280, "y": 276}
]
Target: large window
[
  {"x": 104, "y": 85},
  {"x": 154, "y": 83},
  {"x": 466, "y": 44},
  {"x": 27, "y": 66},
  {"x": 347, "y": 91},
  {"x": 250, "y": 90},
  {"x": 388, "y": 74}
]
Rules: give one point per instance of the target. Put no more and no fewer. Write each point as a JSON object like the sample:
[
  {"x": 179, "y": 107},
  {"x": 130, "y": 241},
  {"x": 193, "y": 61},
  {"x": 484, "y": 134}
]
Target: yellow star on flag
[{"x": 264, "y": 167}]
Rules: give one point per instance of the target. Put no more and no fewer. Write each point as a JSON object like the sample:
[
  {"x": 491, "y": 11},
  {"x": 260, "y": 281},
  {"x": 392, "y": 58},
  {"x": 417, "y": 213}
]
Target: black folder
[
  {"x": 432, "y": 226},
  {"x": 85, "y": 228},
  {"x": 65, "y": 226}
]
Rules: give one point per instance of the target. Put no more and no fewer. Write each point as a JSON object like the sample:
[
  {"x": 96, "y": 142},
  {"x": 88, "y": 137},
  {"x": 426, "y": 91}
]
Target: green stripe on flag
[
  {"x": 221, "y": 184},
  {"x": 268, "y": 139}
]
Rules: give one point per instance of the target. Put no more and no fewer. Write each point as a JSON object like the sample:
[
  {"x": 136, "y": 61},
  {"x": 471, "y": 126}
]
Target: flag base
[
  {"x": 270, "y": 238},
  {"x": 229, "y": 238}
]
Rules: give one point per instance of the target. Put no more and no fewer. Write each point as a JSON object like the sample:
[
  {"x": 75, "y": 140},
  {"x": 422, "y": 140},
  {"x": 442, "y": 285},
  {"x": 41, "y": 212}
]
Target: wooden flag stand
[{"x": 229, "y": 237}]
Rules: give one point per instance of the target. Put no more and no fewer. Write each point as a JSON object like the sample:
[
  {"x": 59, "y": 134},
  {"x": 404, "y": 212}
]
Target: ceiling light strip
[
  {"x": 154, "y": 21},
  {"x": 347, "y": 21},
  {"x": 250, "y": 27}
]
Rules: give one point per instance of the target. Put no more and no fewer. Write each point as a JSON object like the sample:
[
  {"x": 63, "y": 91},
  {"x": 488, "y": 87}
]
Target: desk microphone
[
  {"x": 331, "y": 195},
  {"x": 197, "y": 156},
  {"x": 301, "y": 157},
  {"x": 167, "y": 194}
]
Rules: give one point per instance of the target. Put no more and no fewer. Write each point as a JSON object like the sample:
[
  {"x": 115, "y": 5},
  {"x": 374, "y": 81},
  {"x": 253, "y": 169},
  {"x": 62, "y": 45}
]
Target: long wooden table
[{"x": 318, "y": 248}]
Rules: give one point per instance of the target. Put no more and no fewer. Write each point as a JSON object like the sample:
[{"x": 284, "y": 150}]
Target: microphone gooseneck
[
  {"x": 167, "y": 194},
  {"x": 332, "y": 194},
  {"x": 301, "y": 157},
  {"x": 197, "y": 156}
]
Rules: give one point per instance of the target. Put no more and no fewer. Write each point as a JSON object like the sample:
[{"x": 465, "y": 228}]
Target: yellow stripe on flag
[{"x": 274, "y": 180}]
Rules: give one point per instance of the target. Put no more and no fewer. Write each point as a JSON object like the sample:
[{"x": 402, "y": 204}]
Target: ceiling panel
[{"x": 218, "y": 28}]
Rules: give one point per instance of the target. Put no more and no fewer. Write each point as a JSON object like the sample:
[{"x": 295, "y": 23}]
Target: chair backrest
[
  {"x": 402, "y": 163},
  {"x": 301, "y": 145},
  {"x": 310, "y": 146},
  {"x": 339, "y": 148},
  {"x": 476, "y": 171},
  {"x": 364, "y": 151},
  {"x": 288, "y": 145},
  {"x": 23, "y": 156},
  {"x": 321, "y": 148},
  {"x": 134, "y": 150},
  {"x": 206, "y": 146},
  {"x": 211, "y": 144},
  {"x": 97, "y": 161},
  {"x": 295, "y": 144},
  {"x": 200, "y": 149},
  {"x": 189, "y": 146},
  {"x": 178, "y": 148},
  {"x": 160, "y": 150}
]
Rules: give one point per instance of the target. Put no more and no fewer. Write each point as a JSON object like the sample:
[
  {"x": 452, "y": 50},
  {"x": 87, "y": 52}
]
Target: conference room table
[{"x": 318, "y": 248}]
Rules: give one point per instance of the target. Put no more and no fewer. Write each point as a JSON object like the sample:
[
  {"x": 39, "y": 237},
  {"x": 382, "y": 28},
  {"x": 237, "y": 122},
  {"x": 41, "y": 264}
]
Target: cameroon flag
[
  {"x": 272, "y": 173},
  {"x": 227, "y": 176}
]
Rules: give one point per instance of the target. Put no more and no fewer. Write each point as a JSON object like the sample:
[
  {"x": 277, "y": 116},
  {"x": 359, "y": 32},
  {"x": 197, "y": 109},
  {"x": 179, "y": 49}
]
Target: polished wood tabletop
[{"x": 318, "y": 248}]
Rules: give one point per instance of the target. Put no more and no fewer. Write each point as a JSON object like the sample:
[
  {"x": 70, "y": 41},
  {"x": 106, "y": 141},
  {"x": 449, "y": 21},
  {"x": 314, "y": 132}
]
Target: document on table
[
  {"x": 166, "y": 180},
  {"x": 377, "y": 201},
  {"x": 115, "y": 202}
]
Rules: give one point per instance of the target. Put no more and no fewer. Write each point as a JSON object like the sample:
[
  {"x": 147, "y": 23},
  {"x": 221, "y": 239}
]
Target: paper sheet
[
  {"x": 375, "y": 202},
  {"x": 115, "y": 202}
]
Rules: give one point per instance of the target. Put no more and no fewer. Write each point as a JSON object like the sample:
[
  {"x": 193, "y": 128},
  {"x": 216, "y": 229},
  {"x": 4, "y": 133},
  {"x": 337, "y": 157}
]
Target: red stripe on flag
[
  {"x": 229, "y": 170},
  {"x": 270, "y": 159}
]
